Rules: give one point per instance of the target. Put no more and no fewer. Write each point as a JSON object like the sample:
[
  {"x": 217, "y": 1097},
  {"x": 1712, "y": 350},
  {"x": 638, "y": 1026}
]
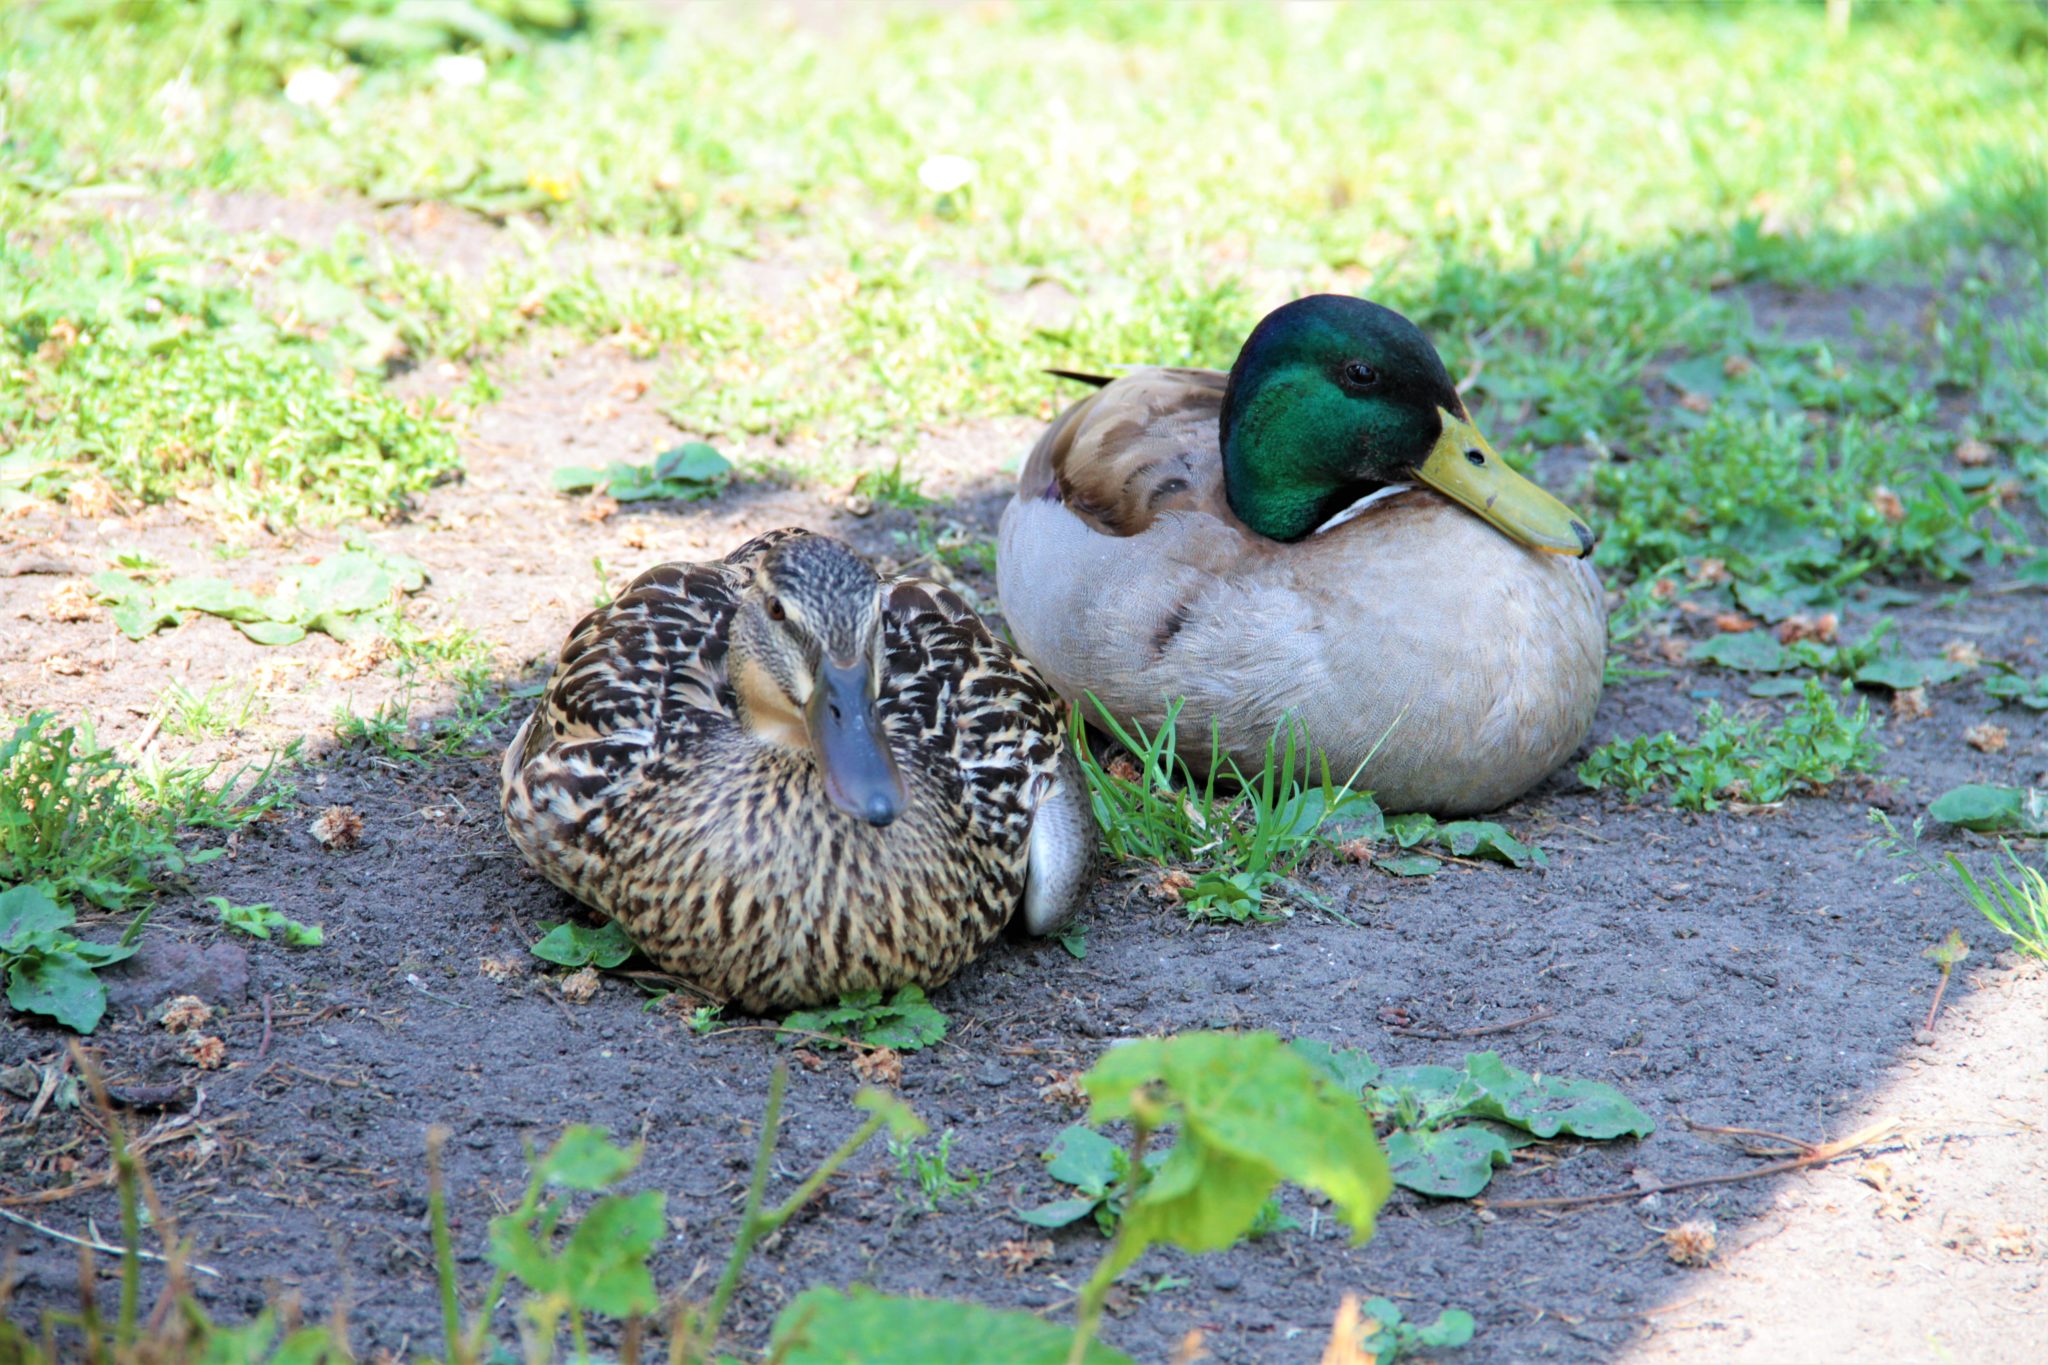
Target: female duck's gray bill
[{"x": 852, "y": 748}]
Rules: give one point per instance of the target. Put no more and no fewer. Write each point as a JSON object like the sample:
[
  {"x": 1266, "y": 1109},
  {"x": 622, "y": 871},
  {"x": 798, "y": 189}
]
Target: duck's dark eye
[
  {"x": 1360, "y": 375},
  {"x": 775, "y": 611}
]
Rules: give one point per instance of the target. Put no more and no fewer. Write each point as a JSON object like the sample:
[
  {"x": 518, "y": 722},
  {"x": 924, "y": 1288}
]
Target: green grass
[
  {"x": 1568, "y": 238},
  {"x": 468, "y": 701},
  {"x": 1742, "y": 758},
  {"x": 133, "y": 363},
  {"x": 78, "y": 818},
  {"x": 1234, "y": 840}
]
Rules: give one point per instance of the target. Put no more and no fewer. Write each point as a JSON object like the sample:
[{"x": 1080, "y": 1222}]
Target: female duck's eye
[
  {"x": 775, "y": 611},
  {"x": 1359, "y": 374}
]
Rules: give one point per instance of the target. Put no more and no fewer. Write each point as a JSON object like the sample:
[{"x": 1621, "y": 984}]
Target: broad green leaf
[
  {"x": 98, "y": 955},
  {"x": 908, "y": 1023},
  {"x": 2013, "y": 688},
  {"x": 26, "y": 908},
  {"x": 575, "y": 478},
  {"x": 1085, "y": 1159},
  {"x": 1453, "y": 1328},
  {"x": 862, "y": 1327},
  {"x": 1203, "y": 1197},
  {"x": 1551, "y": 1105},
  {"x": 1749, "y": 651},
  {"x": 1059, "y": 1212},
  {"x": 214, "y": 596},
  {"x": 1349, "y": 1069},
  {"x": 1411, "y": 829},
  {"x": 1900, "y": 673},
  {"x": 587, "y": 1159},
  {"x": 1446, "y": 1163},
  {"x": 1991, "y": 810},
  {"x": 1251, "y": 1112},
  {"x": 272, "y": 632},
  {"x": 1485, "y": 839},
  {"x": 59, "y": 985},
  {"x": 691, "y": 462},
  {"x": 1422, "y": 1094},
  {"x": 604, "y": 1266},
  {"x": 572, "y": 945}
]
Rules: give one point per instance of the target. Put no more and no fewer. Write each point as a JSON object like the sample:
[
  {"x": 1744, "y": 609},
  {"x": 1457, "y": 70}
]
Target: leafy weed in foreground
[
  {"x": 1450, "y": 1127},
  {"x": 905, "y": 1022},
  {"x": 48, "y": 970},
  {"x": 1742, "y": 758}
]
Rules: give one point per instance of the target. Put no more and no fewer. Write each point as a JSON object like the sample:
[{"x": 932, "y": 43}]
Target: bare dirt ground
[{"x": 1756, "y": 970}]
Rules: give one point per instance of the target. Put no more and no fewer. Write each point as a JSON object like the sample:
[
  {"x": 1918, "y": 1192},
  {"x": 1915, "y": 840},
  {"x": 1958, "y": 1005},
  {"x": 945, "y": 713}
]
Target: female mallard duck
[
  {"x": 1322, "y": 534},
  {"x": 787, "y": 778}
]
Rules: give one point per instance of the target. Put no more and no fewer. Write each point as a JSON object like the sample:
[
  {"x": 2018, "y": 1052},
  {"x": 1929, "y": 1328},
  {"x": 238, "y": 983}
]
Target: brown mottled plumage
[
  {"x": 1465, "y": 664},
  {"x": 664, "y": 783}
]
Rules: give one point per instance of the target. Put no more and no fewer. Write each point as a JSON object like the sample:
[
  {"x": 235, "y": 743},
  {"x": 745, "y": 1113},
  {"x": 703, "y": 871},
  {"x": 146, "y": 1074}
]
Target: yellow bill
[{"x": 1463, "y": 467}]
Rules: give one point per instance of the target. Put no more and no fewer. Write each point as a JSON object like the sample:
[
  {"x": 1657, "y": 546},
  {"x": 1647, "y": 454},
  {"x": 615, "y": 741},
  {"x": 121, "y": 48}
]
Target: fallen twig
[
  {"x": 263, "y": 1048},
  {"x": 1798, "y": 1145},
  {"x": 1818, "y": 1156},
  {"x": 101, "y": 1246},
  {"x": 1453, "y": 1035}
]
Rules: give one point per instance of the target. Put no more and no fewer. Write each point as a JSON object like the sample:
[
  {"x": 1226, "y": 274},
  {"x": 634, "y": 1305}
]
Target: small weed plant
[
  {"x": 1242, "y": 837},
  {"x": 930, "y": 1172},
  {"x": 83, "y": 822},
  {"x": 2012, "y": 894},
  {"x": 1742, "y": 758}
]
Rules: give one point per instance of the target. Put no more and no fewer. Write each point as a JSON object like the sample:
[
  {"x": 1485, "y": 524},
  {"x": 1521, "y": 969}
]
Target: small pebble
[
  {"x": 1225, "y": 1280},
  {"x": 1924, "y": 1037},
  {"x": 993, "y": 1075}
]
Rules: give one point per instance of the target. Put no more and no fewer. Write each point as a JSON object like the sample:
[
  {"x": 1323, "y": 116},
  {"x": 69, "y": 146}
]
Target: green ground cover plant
[
  {"x": 685, "y": 473},
  {"x": 133, "y": 366},
  {"x": 576, "y": 945},
  {"x": 1445, "y": 1129},
  {"x": 49, "y": 970},
  {"x": 905, "y": 1021},
  {"x": 347, "y": 595},
  {"x": 1740, "y": 757}
]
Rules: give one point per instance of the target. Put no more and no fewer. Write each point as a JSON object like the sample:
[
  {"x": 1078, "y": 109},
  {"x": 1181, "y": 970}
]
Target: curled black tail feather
[{"x": 1098, "y": 380}]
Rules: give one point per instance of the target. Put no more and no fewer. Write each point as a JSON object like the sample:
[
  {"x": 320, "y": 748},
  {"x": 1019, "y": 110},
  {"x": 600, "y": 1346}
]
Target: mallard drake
[
  {"x": 788, "y": 778},
  {"x": 1320, "y": 534}
]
